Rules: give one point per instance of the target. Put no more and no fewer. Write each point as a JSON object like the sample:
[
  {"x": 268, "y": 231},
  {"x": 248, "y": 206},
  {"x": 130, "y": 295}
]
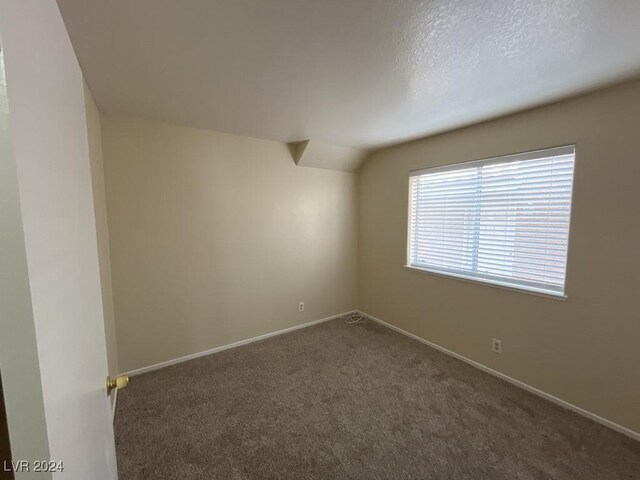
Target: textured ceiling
[{"x": 358, "y": 73}]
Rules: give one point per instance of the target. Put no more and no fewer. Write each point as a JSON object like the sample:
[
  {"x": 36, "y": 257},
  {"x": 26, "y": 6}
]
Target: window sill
[{"x": 490, "y": 283}]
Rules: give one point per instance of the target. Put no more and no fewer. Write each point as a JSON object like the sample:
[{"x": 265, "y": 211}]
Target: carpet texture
[{"x": 338, "y": 401}]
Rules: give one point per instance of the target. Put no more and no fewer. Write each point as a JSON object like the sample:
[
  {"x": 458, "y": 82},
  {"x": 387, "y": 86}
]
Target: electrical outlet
[
  {"x": 301, "y": 307},
  {"x": 496, "y": 345}
]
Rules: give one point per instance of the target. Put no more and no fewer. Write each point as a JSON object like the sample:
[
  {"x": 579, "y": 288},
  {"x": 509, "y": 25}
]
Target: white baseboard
[
  {"x": 186, "y": 358},
  {"x": 592, "y": 416}
]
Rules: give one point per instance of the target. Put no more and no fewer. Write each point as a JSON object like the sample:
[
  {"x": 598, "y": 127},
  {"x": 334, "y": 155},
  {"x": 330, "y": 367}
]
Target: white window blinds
[{"x": 503, "y": 220}]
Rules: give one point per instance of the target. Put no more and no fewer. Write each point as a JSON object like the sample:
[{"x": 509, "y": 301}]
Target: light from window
[{"x": 502, "y": 220}]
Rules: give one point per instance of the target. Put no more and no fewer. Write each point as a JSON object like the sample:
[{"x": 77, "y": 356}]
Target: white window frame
[{"x": 490, "y": 280}]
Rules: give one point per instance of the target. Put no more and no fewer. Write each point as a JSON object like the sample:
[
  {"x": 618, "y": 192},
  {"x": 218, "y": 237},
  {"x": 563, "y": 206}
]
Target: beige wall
[
  {"x": 584, "y": 350},
  {"x": 94, "y": 133},
  {"x": 215, "y": 238}
]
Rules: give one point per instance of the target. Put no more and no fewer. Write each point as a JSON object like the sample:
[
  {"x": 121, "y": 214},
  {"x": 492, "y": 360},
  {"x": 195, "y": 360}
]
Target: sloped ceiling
[{"x": 355, "y": 73}]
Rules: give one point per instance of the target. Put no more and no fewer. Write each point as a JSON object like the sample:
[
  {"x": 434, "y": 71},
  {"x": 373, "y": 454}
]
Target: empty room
[{"x": 320, "y": 239}]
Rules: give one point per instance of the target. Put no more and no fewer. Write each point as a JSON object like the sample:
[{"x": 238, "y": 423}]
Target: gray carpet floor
[{"x": 338, "y": 401}]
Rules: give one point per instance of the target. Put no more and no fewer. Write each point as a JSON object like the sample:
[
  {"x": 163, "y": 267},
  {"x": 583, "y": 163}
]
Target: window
[{"x": 502, "y": 220}]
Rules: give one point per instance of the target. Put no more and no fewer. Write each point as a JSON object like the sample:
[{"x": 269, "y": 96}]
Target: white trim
[
  {"x": 192, "y": 356},
  {"x": 585, "y": 413},
  {"x": 113, "y": 405},
  {"x": 538, "y": 292}
]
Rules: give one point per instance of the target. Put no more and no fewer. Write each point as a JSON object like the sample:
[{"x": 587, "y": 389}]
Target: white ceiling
[{"x": 358, "y": 73}]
